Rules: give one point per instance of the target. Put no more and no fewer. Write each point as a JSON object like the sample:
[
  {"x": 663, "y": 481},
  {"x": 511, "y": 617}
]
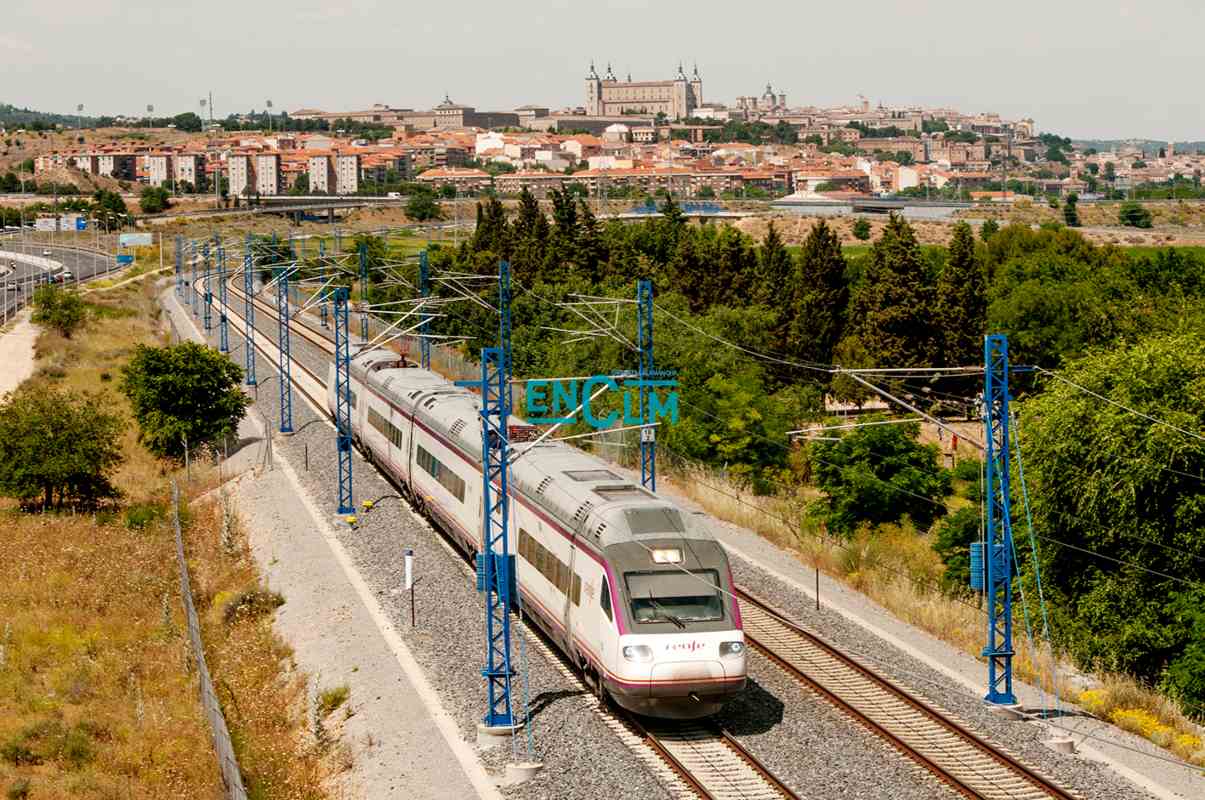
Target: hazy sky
[{"x": 1079, "y": 68}]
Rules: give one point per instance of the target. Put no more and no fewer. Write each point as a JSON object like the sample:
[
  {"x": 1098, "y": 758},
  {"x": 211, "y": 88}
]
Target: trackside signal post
[
  {"x": 343, "y": 401},
  {"x": 644, "y": 339},
  {"x": 208, "y": 299},
  {"x": 998, "y": 545}
]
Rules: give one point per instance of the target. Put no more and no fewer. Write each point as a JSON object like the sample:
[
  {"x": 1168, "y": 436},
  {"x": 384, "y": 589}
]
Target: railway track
[
  {"x": 692, "y": 760},
  {"x": 958, "y": 757},
  {"x": 700, "y": 760}
]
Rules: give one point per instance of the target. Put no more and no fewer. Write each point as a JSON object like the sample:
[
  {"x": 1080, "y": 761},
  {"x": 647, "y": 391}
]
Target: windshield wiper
[{"x": 664, "y": 615}]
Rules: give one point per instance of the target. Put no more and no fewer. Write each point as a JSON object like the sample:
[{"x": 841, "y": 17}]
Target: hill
[{"x": 10, "y": 115}]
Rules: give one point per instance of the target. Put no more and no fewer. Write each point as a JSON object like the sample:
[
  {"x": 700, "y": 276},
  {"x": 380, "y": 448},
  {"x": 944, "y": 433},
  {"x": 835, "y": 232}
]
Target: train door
[
  {"x": 608, "y": 634},
  {"x": 572, "y": 583}
]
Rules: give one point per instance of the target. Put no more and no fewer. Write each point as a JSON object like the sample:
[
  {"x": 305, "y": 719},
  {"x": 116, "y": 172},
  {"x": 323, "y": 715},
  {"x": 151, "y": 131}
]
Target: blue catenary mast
[
  {"x": 208, "y": 299},
  {"x": 644, "y": 338},
  {"x": 195, "y": 291},
  {"x": 180, "y": 267},
  {"x": 496, "y": 563},
  {"x": 223, "y": 324},
  {"x": 363, "y": 254},
  {"x": 343, "y": 401},
  {"x": 998, "y": 649},
  {"x": 249, "y": 314},
  {"x": 424, "y": 288},
  {"x": 322, "y": 288},
  {"x": 284, "y": 363}
]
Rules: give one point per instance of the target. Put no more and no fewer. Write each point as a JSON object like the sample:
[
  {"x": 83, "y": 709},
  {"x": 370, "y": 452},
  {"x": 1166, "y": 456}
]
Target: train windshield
[{"x": 675, "y": 596}]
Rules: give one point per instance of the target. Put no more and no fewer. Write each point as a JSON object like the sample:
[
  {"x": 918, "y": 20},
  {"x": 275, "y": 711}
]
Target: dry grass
[{"x": 97, "y": 697}]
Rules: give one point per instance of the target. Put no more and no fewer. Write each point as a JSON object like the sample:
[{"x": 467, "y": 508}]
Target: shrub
[
  {"x": 968, "y": 469},
  {"x": 331, "y": 699},
  {"x": 251, "y": 603},
  {"x": 140, "y": 516},
  {"x": 861, "y": 229},
  {"x": 19, "y": 790},
  {"x": 1134, "y": 215},
  {"x": 59, "y": 308}
]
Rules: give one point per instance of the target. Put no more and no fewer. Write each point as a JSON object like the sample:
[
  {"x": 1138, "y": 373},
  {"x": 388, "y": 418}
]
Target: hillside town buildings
[{"x": 628, "y": 138}]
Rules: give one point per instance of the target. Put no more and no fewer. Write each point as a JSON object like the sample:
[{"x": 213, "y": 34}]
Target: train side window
[
  {"x": 577, "y": 589},
  {"x": 604, "y": 599}
]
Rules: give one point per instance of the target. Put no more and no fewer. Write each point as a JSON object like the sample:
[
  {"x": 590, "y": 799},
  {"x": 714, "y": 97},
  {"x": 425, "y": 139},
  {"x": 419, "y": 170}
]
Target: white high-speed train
[{"x": 625, "y": 582}]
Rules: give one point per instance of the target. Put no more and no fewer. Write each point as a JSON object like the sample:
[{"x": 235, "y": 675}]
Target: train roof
[{"x": 579, "y": 490}]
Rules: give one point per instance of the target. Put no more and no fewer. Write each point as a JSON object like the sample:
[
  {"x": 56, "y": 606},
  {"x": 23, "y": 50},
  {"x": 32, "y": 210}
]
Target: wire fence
[{"x": 232, "y": 779}]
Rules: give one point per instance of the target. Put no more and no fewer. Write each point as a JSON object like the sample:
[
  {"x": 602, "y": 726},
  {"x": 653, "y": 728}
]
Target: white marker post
[{"x": 408, "y": 556}]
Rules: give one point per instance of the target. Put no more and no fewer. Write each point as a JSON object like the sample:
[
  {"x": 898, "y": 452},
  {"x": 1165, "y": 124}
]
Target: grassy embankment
[{"x": 97, "y": 694}]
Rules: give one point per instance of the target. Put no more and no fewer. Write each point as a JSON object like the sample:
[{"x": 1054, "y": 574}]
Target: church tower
[{"x": 593, "y": 92}]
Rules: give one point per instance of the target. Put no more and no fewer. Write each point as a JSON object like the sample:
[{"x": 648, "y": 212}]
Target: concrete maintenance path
[
  {"x": 17, "y": 352},
  {"x": 404, "y": 744}
]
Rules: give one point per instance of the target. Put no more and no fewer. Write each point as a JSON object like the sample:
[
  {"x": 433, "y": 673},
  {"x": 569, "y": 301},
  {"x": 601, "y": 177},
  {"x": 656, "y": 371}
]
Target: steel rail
[{"x": 923, "y": 733}]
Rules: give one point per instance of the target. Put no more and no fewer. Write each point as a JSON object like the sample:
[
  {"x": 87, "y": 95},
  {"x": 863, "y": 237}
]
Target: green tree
[
  {"x": 421, "y": 206},
  {"x": 154, "y": 199},
  {"x": 1134, "y": 215},
  {"x": 861, "y": 229},
  {"x": 58, "y": 447},
  {"x": 1117, "y": 501},
  {"x": 818, "y": 296},
  {"x": 953, "y": 543},
  {"x": 988, "y": 229},
  {"x": 1070, "y": 212},
  {"x": 59, "y": 308},
  {"x": 962, "y": 301},
  {"x": 705, "y": 193},
  {"x": 878, "y": 474},
  {"x": 774, "y": 268},
  {"x": 185, "y": 392},
  {"x": 893, "y": 311}
]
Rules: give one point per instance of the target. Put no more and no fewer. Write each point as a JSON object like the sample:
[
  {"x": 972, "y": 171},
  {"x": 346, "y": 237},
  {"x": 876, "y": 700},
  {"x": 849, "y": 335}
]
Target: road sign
[
  {"x": 135, "y": 239},
  {"x": 124, "y": 259},
  {"x": 81, "y": 224}
]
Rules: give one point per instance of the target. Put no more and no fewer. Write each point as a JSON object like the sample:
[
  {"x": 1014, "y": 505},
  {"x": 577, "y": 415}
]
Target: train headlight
[
  {"x": 668, "y": 555},
  {"x": 640, "y": 653},
  {"x": 732, "y": 648}
]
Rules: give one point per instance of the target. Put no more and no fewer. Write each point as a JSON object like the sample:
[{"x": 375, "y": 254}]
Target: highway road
[{"x": 83, "y": 264}]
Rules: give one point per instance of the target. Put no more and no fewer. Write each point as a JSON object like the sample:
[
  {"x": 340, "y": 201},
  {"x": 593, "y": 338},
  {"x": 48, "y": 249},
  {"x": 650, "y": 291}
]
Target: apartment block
[
  {"x": 240, "y": 170},
  {"x": 190, "y": 167},
  {"x": 267, "y": 174},
  {"x": 322, "y": 175},
  {"x": 347, "y": 173},
  {"x": 119, "y": 166},
  {"x": 159, "y": 169}
]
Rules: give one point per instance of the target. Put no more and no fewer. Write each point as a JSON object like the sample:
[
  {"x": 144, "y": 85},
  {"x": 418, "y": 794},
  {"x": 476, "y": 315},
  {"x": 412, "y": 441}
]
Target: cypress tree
[
  {"x": 962, "y": 301},
  {"x": 893, "y": 312},
  {"x": 819, "y": 297},
  {"x": 773, "y": 269}
]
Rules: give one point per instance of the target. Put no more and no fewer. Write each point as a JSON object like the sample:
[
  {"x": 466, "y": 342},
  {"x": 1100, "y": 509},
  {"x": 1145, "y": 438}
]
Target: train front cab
[{"x": 679, "y": 651}]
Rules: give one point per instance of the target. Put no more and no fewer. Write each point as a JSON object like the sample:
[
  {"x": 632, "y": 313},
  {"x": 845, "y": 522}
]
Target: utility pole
[
  {"x": 179, "y": 267},
  {"x": 998, "y": 544},
  {"x": 208, "y": 297}
]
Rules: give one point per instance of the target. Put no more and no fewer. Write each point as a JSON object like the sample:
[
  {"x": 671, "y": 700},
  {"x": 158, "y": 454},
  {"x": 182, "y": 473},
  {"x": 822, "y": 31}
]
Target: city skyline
[{"x": 1058, "y": 65}]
